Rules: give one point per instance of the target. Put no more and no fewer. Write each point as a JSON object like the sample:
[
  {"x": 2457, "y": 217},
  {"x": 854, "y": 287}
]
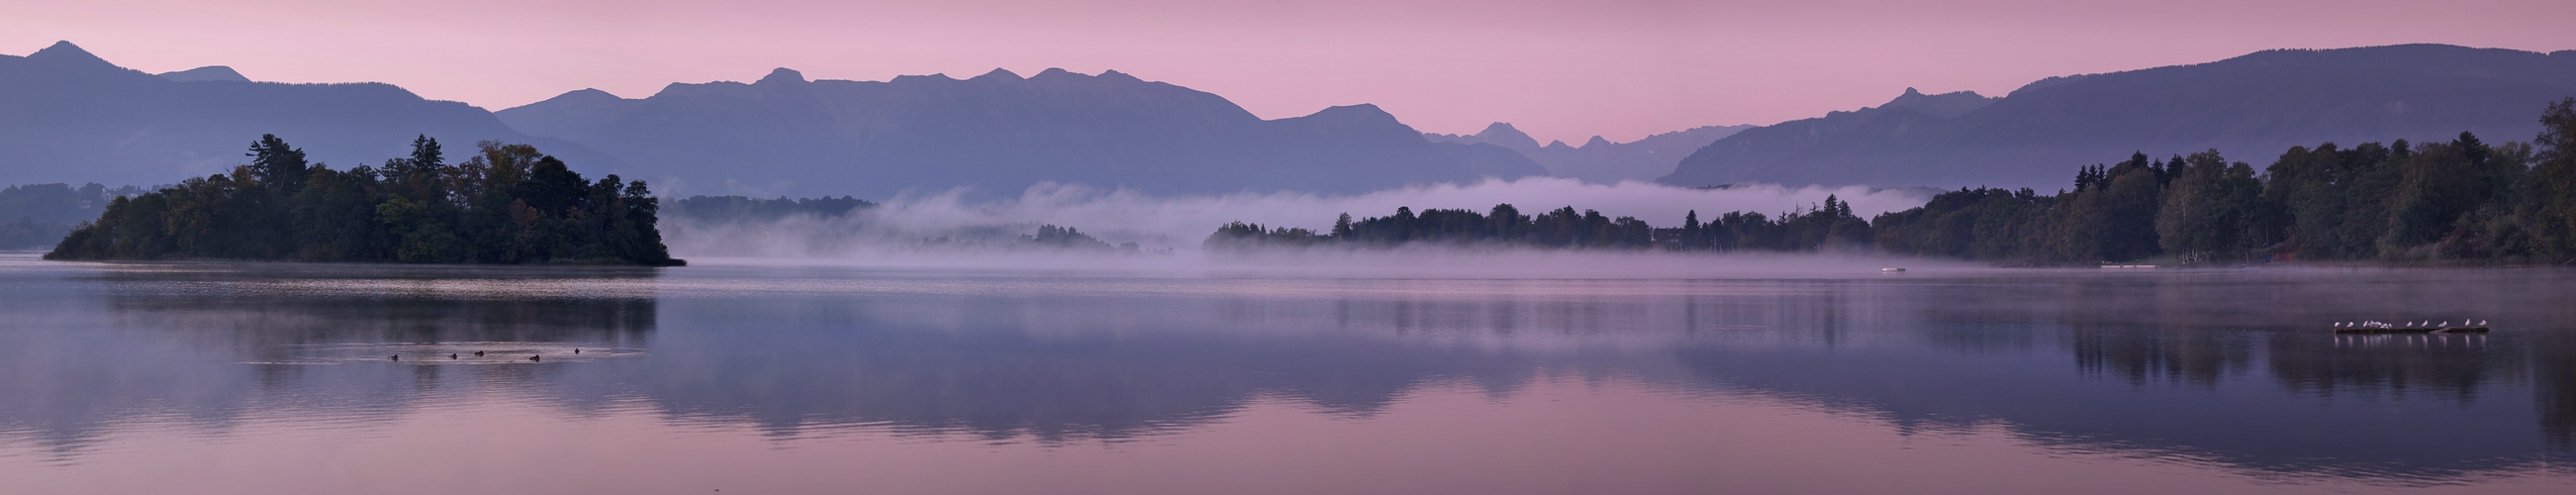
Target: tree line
[
  {"x": 507, "y": 203},
  {"x": 1827, "y": 225},
  {"x": 2456, "y": 201}
]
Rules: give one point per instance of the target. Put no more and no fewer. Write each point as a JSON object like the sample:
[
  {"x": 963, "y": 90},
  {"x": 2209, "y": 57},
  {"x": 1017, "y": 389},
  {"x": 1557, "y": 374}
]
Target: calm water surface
[{"x": 264, "y": 378}]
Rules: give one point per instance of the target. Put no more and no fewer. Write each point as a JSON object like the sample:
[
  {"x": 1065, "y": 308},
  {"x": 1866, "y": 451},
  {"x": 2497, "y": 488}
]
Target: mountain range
[
  {"x": 997, "y": 133},
  {"x": 2250, "y": 108},
  {"x": 67, "y": 116},
  {"x": 1599, "y": 160},
  {"x": 70, "y": 117}
]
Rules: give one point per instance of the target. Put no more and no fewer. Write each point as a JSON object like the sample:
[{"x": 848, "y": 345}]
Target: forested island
[
  {"x": 2457, "y": 201},
  {"x": 506, "y": 204}
]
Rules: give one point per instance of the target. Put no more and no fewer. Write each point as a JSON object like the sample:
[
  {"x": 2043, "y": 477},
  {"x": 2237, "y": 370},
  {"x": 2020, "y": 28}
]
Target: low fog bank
[
  {"x": 1412, "y": 261},
  {"x": 948, "y": 229}
]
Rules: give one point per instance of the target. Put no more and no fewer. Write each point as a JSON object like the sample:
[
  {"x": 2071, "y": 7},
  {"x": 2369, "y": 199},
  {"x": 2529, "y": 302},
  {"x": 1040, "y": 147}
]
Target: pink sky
[{"x": 1559, "y": 69}]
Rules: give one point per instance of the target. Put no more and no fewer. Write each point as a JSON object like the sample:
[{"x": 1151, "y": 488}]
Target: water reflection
[
  {"x": 999, "y": 368},
  {"x": 2556, "y": 393},
  {"x": 2223, "y": 369}
]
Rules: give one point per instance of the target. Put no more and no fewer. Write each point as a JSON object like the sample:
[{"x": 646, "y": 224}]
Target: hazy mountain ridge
[
  {"x": 69, "y": 116},
  {"x": 1599, "y": 160},
  {"x": 996, "y": 132},
  {"x": 207, "y": 73},
  {"x": 2249, "y": 107}
]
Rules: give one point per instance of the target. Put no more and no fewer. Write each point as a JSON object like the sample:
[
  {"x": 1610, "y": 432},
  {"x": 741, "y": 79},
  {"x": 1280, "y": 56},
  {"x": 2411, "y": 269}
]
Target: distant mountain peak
[
  {"x": 1944, "y": 105},
  {"x": 1361, "y": 107},
  {"x": 1361, "y": 118},
  {"x": 62, "y": 49},
  {"x": 782, "y": 75},
  {"x": 1359, "y": 112},
  {"x": 1498, "y": 134},
  {"x": 585, "y": 95},
  {"x": 913, "y": 79},
  {"x": 64, "y": 53},
  {"x": 998, "y": 74},
  {"x": 211, "y": 73},
  {"x": 1504, "y": 134}
]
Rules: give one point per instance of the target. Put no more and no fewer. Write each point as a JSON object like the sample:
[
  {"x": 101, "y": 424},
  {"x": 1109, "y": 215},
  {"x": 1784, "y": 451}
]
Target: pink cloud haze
[{"x": 1561, "y": 69}]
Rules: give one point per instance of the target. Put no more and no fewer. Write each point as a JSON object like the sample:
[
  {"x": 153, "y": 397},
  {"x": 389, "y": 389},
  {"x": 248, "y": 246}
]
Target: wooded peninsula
[
  {"x": 2457, "y": 201},
  {"x": 506, "y": 204}
]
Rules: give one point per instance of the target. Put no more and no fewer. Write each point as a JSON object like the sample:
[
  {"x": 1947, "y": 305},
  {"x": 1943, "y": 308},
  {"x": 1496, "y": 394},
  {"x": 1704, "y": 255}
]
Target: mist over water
[{"x": 953, "y": 229}]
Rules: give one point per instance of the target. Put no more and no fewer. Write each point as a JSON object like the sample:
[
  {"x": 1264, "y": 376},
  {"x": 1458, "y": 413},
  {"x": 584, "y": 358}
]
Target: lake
[{"x": 281, "y": 378}]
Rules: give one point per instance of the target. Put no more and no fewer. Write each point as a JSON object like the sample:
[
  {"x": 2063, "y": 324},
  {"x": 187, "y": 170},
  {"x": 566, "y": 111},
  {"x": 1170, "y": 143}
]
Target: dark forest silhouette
[
  {"x": 2456, "y": 201},
  {"x": 506, "y": 204},
  {"x": 1829, "y": 225}
]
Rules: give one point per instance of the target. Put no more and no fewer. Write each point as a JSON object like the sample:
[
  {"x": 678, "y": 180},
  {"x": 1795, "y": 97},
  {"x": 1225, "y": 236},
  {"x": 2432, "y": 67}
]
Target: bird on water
[
  {"x": 536, "y": 358},
  {"x": 451, "y": 355},
  {"x": 396, "y": 357},
  {"x": 478, "y": 353}
]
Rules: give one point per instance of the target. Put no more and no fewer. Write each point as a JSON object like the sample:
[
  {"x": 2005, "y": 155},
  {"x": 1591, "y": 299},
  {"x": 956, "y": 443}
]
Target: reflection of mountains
[
  {"x": 1000, "y": 381},
  {"x": 158, "y": 344},
  {"x": 784, "y": 365},
  {"x": 2236, "y": 375},
  {"x": 2223, "y": 372}
]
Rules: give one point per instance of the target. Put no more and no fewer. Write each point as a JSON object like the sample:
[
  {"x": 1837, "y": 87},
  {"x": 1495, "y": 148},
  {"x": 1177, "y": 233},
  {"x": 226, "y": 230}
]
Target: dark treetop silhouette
[
  {"x": 1829, "y": 225},
  {"x": 506, "y": 204},
  {"x": 2456, "y": 201},
  {"x": 2442, "y": 202}
]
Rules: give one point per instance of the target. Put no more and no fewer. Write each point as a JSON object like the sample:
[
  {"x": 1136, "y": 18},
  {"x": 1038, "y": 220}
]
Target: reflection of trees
[
  {"x": 2196, "y": 356},
  {"x": 1002, "y": 387},
  {"x": 2152, "y": 330},
  {"x": 260, "y": 307},
  {"x": 1010, "y": 367},
  {"x": 1036, "y": 368},
  {"x": 2200, "y": 354},
  {"x": 2555, "y": 388},
  {"x": 88, "y": 347},
  {"x": 2456, "y": 366},
  {"x": 270, "y": 328},
  {"x": 1069, "y": 366},
  {"x": 2039, "y": 399}
]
